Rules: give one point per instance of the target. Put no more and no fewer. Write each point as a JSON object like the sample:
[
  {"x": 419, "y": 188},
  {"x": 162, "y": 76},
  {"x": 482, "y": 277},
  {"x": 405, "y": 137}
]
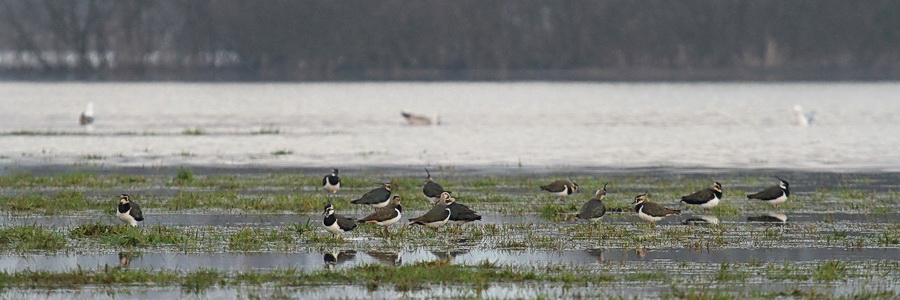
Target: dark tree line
[{"x": 459, "y": 39}]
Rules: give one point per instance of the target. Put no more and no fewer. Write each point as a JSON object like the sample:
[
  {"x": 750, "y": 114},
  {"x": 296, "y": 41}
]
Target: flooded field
[
  {"x": 229, "y": 179},
  {"x": 247, "y": 233}
]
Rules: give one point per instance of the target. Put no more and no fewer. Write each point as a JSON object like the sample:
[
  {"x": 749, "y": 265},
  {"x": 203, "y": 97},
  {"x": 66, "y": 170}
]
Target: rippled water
[{"x": 531, "y": 124}]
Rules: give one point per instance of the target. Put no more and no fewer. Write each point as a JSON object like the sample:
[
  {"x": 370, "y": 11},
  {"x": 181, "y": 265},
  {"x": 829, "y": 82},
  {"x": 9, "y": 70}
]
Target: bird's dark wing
[
  {"x": 324, "y": 180},
  {"x": 555, "y": 187},
  {"x": 373, "y": 197},
  {"x": 767, "y": 194},
  {"x": 594, "y": 208},
  {"x": 657, "y": 210},
  {"x": 432, "y": 189},
  {"x": 460, "y": 212},
  {"x": 346, "y": 223},
  {"x": 384, "y": 213},
  {"x": 136, "y": 212},
  {"x": 437, "y": 213},
  {"x": 699, "y": 197}
]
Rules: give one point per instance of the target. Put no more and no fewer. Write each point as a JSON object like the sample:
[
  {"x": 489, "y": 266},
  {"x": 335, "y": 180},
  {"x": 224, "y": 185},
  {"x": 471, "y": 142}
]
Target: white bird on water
[
  {"x": 803, "y": 119},
  {"x": 87, "y": 116}
]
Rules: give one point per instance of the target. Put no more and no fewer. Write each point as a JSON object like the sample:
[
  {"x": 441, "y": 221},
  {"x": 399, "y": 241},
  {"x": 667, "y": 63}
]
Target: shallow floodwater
[
  {"x": 348, "y": 258},
  {"x": 530, "y": 124}
]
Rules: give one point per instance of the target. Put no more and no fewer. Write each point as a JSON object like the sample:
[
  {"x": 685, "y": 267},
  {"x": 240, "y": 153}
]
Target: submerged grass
[
  {"x": 503, "y": 194},
  {"x": 63, "y": 201},
  {"x": 373, "y": 276},
  {"x": 254, "y": 239},
  {"x": 128, "y": 236}
]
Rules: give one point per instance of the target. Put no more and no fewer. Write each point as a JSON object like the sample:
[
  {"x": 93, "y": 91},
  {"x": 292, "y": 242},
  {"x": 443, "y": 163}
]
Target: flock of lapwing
[
  {"x": 445, "y": 209},
  {"x": 388, "y": 210}
]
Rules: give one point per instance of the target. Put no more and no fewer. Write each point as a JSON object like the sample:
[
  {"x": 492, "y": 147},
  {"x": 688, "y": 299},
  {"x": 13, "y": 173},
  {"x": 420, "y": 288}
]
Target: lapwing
[
  {"x": 459, "y": 213},
  {"x": 431, "y": 189},
  {"x": 561, "y": 188},
  {"x": 417, "y": 119},
  {"x": 802, "y": 118},
  {"x": 434, "y": 218},
  {"x": 87, "y": 116},
  {"x": 594, "y": 209},
  {"x": 385, "y": 216},
  {"x": 336, "y": 224},
  {"x": 128, "y": 211},
  {"x": 649, "y": 211},
  {"x": 774, "y": 195},
  {"x": 376, "y": 198},
  {"x": 705, "y": 198},
  {"x": 332, "y": 183}
]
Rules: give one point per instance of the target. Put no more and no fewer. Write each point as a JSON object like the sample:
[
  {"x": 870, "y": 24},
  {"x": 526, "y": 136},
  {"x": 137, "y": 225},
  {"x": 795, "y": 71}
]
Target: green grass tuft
[
  {"x": 30, "y": 237},
  {"x": 183, "y": 176}
]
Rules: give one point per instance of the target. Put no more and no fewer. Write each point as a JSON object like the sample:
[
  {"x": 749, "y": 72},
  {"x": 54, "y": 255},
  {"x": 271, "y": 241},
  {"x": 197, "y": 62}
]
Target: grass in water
[
  {"x": 30, "y": 237},
  {"x": 253, "y": 239},
  {"x": 283, "y": 152},
  {"x": 51, "y": 204},
  {"x": 128, "y": 236},
  {"x": 183, "y": 176},
  {"x": 268, "y": 130},
  {"x": 193, "y": 131}
]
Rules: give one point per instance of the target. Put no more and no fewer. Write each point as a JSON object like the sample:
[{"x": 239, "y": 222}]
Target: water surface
[{"x": 533, "y": 124}]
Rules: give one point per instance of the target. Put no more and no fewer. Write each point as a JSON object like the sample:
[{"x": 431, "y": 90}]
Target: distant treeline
[{"x": 449, "y": 39}]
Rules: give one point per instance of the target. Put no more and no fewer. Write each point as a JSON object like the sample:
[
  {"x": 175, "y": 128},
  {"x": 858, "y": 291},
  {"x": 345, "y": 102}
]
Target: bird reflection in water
[
  {"x": 337, "y": 257},
  {"x": 393, "y": 258}
]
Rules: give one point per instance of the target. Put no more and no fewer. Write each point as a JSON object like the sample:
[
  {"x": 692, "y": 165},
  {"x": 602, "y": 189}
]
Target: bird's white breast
[
  {"x": 711, "y": 203},
  {"x": 389, "y": 221},
  {"x": 333, "y": 228},
  {"x": 647, "y": 217},
  {"x": 126, "y": 217}
]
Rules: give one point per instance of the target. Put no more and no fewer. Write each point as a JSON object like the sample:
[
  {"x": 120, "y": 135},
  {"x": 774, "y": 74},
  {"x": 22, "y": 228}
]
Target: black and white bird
[
  {"x": 376, "y": 198},
  {"x": 385, "y": 216},
  {"x": 649, "y": 211},
  {"x": 420, "y": 120},
  {"x": 561, "y": 188},
  {"x": 437, "y": 216},
  {"x": 803, "y": 118},
  {"x": 336, "y": 224},
  {"x": 432, "y": 190},
  {"x": 705, "y": 198},
  {"x": 774, "y": 195},
  {"x": 594, "y": 209},
  {"x": 128, "y": 211},
  {"x": 459, "y": 213},
  {"x": 332, "y": 183}
]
